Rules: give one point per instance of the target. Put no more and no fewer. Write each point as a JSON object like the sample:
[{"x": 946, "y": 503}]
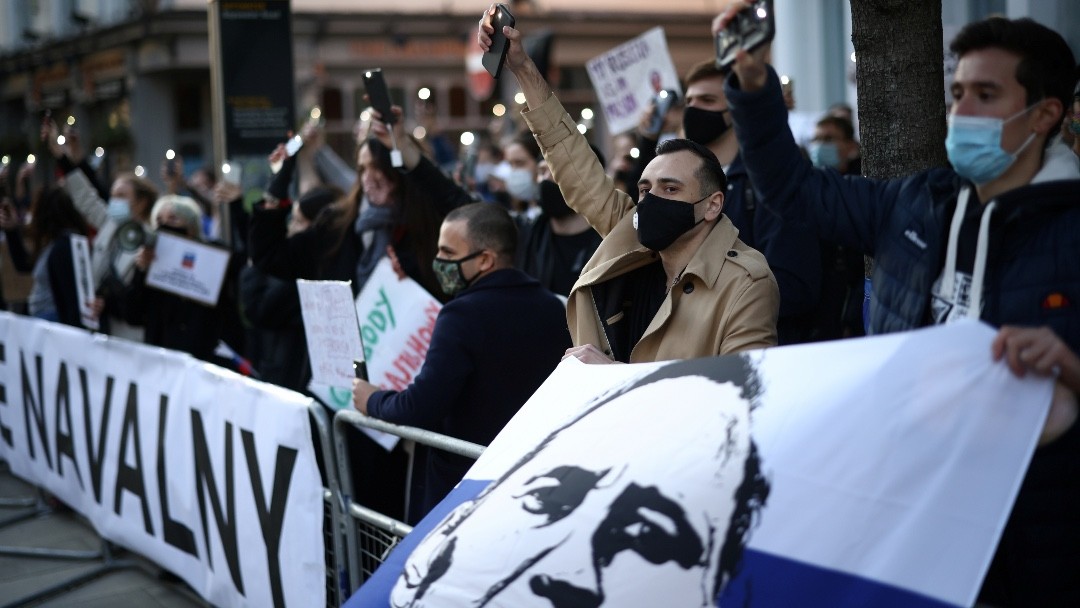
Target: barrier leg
[
  {"x": 371, "y": 535},
  {"x": 41, "y": 508},
  {"x": 333, "y": 541},
  {"x": 15, "y": 503},
  {"x": 110, "y": 565},
  {"x": 351, "y": 578}
]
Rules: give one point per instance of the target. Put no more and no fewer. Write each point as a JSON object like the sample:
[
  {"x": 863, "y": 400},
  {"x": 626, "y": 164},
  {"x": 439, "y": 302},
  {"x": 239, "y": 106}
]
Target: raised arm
[
  {"x": 84, "y": 194},
  {"x": 418, "y": 168},
  {"x": 846, "y": 210},
  {"x": 574, "y": 166}
]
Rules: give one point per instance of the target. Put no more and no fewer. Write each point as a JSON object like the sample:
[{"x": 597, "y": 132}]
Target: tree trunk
[{"x": 900, "y": 78}]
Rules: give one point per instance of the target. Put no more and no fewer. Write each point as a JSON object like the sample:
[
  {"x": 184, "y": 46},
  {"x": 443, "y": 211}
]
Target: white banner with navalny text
[{"x": 209, "y": 474}]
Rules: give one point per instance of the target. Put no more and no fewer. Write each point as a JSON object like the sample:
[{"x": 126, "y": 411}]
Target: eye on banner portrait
[
  {"x": 872, "y": 472},
  {"x": 208, "y": 474}
]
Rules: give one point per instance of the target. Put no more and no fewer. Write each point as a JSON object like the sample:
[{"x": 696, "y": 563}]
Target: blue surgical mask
[
  {"x": 824, "y": 154},
  {"x": 119, "y": 210},
  {"x": 973, "y": 145}
]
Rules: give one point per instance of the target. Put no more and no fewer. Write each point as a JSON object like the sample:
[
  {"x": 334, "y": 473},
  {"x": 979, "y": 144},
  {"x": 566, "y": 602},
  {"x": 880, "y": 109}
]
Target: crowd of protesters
[{"x": 723, "y": 234}]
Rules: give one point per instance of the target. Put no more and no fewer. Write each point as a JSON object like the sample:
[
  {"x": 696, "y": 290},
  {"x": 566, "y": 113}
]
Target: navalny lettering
[{"x": 55, "y": 441}]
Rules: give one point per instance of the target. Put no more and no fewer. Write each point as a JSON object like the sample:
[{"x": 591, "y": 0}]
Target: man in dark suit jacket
[{"x": 494, "y": 343}]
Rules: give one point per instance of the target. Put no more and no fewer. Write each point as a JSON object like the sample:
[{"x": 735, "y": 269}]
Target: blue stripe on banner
[
  {"x": 766, "y": 581},
  {"x": 376, "y": 591}
]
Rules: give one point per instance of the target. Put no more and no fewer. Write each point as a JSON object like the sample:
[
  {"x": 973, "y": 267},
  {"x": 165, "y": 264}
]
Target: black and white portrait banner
[{"x": 870, "y": 472}]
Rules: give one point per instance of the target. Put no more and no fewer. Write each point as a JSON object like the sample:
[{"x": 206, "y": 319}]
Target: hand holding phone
[
  {"x": 661, "y": 105},
  {"x": 293, "y": 145},
  {"x": 495, "y": 57},
  {"x": 378, "y": 94},
  {"x": 749, "y": 29},
  {"x": 171, "y": 168},
  {"x": 50, "y": 134},
  {"x": 231, "y": 172}
]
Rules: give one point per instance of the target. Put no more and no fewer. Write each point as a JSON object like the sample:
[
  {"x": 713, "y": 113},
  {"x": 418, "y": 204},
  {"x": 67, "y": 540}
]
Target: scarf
[{"x": 374, "y": 226}]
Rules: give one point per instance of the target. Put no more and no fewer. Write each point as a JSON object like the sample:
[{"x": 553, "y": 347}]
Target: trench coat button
[
  {"x": 732, "y": 253},
  {"x": 688, "y": 287}
]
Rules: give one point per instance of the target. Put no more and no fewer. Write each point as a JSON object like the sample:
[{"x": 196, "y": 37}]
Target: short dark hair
[
  {"x": 841, "y": 109},
  {"x": 487, "y": 226},
  {"x": 710, "y": 173},
  {"x": 526, "y": 140},
  {"x": 1046, "y": 61},
  {"x": 52, "y": 213},
  {"x": 844, "y": 125},
  {"x": 703, "y": 70}
]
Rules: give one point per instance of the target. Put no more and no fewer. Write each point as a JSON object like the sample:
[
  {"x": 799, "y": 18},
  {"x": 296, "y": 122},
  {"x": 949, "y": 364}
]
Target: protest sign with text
[
  {"x": 628, "y": 76},
  {"x": 84, "y": 280},
  {"x": 188, "y": 268},
  {"x": 333, "y": 337},
  {"x": 208, "y": 474},
  {"x": 397, "y": 317}
]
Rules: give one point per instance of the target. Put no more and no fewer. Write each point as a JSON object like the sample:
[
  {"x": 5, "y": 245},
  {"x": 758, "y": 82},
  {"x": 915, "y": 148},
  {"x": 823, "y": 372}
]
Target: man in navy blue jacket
[
  {"x": 992, "y": 238},
  {"x": 494, "y": 343}
]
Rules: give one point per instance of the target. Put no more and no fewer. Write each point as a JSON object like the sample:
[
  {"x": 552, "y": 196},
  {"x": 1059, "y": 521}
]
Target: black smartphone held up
[
  {"x": 360, "y": 369},
  {"x": 378, "y": 94},
  {"x": 494, "y": 59},
  {"x": 663, "y": 102},
  {"x": 752, "y": 27}
]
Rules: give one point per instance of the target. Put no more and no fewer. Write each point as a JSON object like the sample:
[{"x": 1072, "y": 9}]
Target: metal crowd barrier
[
  {"x": 333, "y": 542},
  {"x": 370, "y": 535}
]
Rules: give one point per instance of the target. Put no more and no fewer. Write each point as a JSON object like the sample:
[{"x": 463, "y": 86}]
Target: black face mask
[
  {"x": 172, "y": 230},
  {"x": 703, "y": 126},
  {"x": 660, "y": 221},
  {"x": 502, "y": 198},
  {"x": 551, "y": 200}
]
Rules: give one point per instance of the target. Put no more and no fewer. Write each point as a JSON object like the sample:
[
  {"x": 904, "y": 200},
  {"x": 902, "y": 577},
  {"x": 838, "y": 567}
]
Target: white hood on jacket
[{"x": 1059, "y": 163}]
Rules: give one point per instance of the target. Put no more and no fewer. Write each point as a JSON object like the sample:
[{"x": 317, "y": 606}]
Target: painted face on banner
[{"x": 628, "y": 505}]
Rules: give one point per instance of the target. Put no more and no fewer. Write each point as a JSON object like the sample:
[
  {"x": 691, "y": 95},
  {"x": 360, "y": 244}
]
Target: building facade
[{"x": 134, "y": 74}]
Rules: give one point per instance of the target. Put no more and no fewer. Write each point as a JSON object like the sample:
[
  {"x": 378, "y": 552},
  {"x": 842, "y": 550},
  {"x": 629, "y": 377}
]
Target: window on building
[
  {"x": 332, "y": 104},
  {"x": 188, "y": 105},
  {"x": 459, "y": 100}
]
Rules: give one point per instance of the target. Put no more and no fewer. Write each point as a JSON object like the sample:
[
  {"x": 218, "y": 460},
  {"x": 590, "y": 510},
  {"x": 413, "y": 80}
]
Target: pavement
[{"x": 31, "y": 527}]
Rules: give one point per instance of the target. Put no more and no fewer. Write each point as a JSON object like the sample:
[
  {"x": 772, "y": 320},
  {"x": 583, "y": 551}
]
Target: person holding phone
[
  {"x": 122, "y": 223},
  {"x": 671, "y": 279},
  {"x": 993, "y": 238},
  {"x": 53, "y": 294},
  {"x": 793, "y": 253},
  {"x": 387, "y": 206}
]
